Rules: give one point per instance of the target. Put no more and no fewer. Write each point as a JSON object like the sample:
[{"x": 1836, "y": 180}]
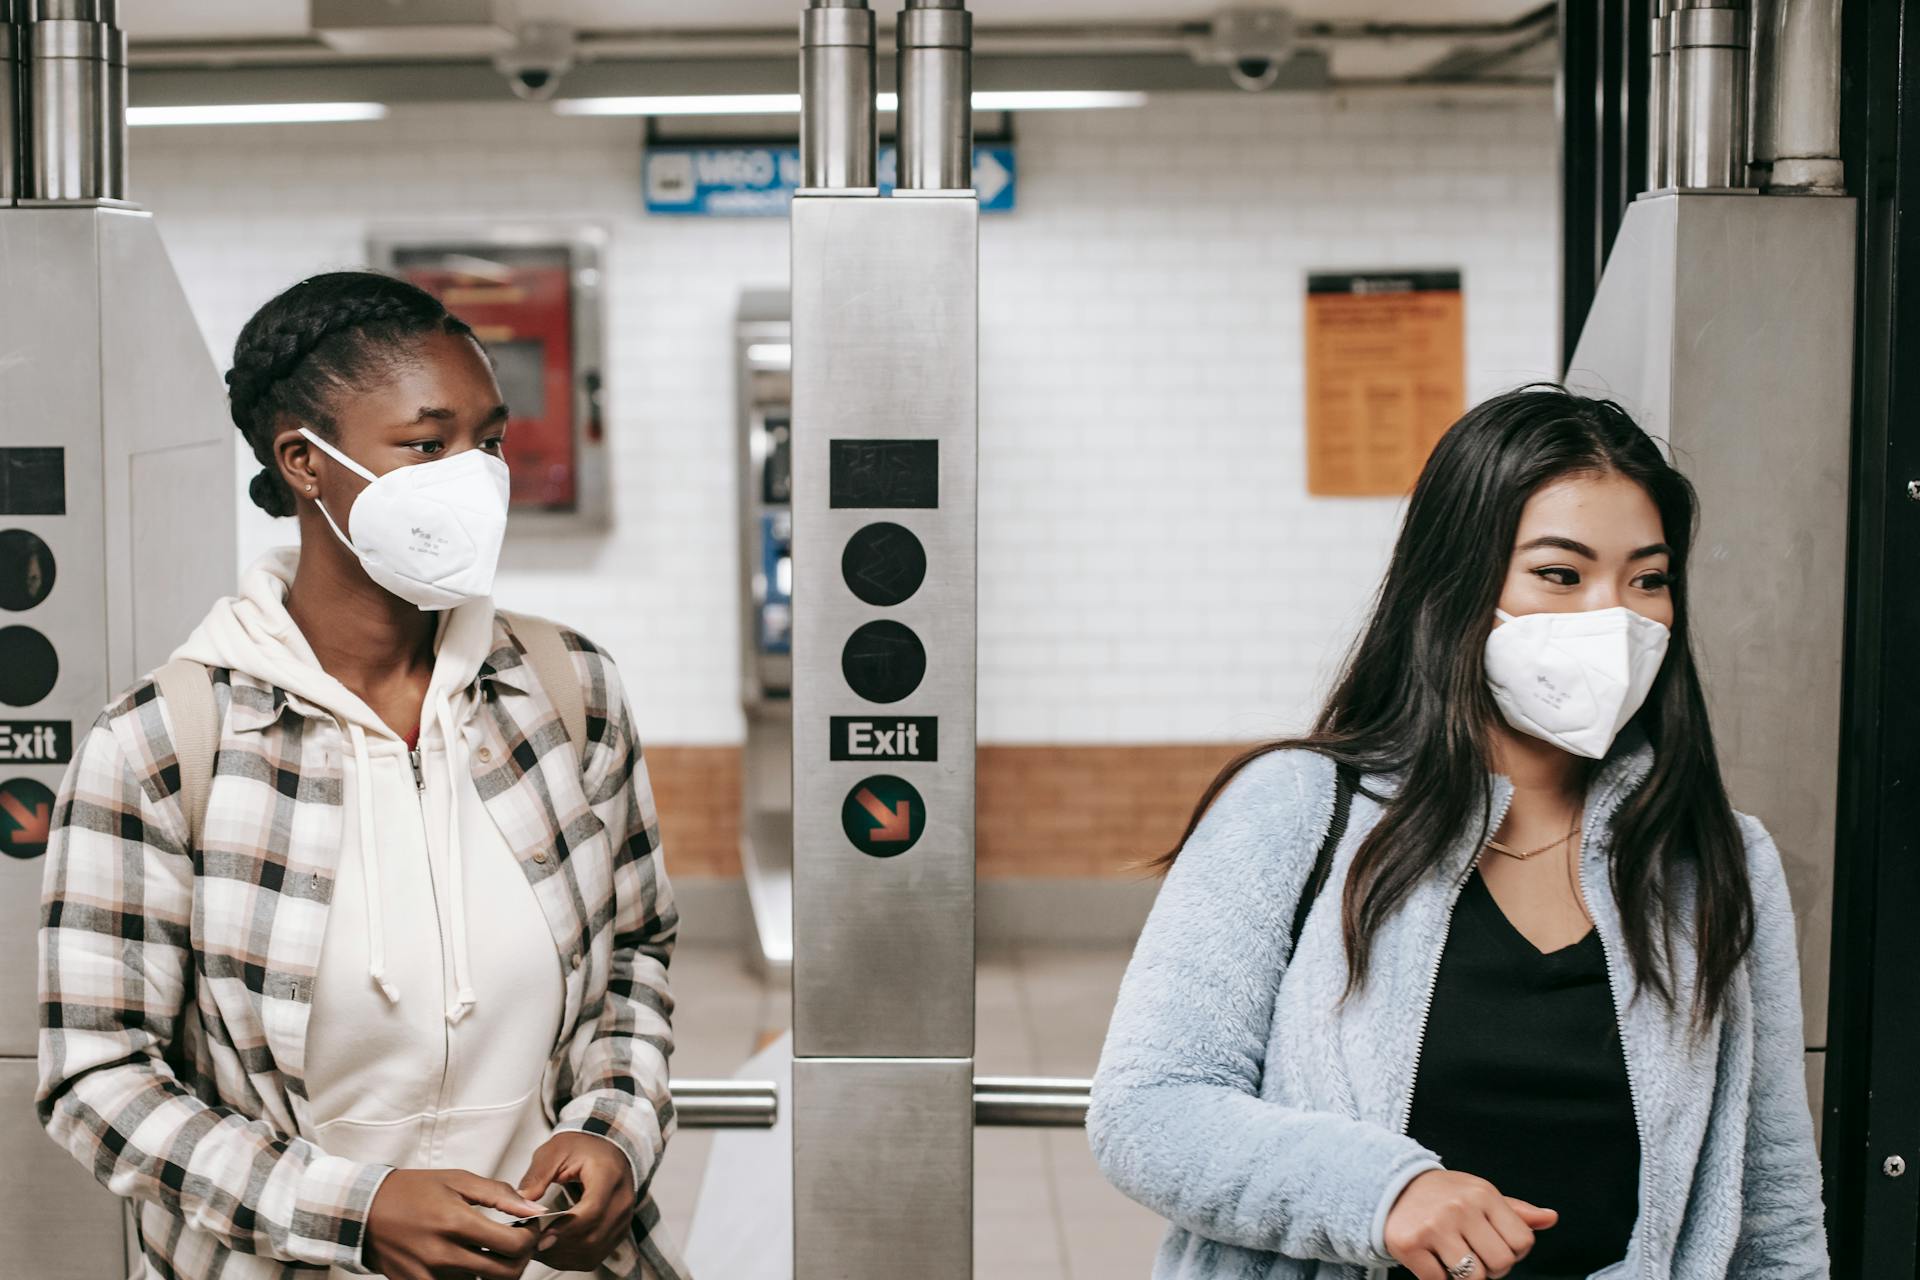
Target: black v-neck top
[{"x": 1522, "y": 1082}]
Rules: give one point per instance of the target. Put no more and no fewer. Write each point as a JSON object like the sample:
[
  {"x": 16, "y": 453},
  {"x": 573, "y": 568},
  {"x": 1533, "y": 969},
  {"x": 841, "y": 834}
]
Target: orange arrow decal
[
  {"x": 34, "y": 825},
  {"x": 896, "y": 824}
]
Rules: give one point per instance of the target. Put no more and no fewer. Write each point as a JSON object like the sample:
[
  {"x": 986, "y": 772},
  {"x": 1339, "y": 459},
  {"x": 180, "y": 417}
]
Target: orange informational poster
[{"x": 1386, "y": 375}]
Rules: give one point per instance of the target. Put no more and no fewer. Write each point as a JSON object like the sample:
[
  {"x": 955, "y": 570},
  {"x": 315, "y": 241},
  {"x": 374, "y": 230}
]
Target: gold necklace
[{"x": 1520, "y": 856}]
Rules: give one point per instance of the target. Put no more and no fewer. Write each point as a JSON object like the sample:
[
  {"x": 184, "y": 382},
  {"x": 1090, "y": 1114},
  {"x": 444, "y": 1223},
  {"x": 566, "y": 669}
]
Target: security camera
[
  {"x": 1252, "y": 43},
  {"x": 1255, "y": 74},
  {"x": 536, "y": 61}
]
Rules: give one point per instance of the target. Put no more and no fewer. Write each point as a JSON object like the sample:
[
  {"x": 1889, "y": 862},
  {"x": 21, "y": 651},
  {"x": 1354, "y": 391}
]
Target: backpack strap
[
  {"x": 1346, "y": 780},
  {"x": 552, "y": 664},
  {"x": 186, "y": 689}
]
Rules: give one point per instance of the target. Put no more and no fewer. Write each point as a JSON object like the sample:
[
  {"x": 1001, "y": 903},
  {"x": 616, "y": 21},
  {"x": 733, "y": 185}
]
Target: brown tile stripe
[{"x": 1043, "y": 811}]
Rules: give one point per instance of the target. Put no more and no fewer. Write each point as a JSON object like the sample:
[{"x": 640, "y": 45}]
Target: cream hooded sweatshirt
[{"x": 423, "y": 1050}]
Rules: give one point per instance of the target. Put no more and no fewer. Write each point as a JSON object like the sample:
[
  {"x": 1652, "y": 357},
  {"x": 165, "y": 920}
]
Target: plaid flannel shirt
[{"x": 176, "y": 983}]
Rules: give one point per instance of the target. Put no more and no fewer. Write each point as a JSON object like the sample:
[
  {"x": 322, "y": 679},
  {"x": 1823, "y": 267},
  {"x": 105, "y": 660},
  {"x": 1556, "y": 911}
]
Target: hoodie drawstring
[
  {"x": 452, "y": 742},
  {"x": 370, "y": 867},
  {"x": 463, "y": 998}
]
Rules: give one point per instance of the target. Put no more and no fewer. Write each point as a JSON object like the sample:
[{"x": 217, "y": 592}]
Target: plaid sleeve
[
  {"x": 115, "y": 981},
  {"x": 621, "y": 1087}
]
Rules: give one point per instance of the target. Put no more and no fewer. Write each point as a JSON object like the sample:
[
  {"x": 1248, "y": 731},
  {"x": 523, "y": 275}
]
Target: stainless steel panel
[
  {"x": 1725, "y": 324},
  {"x": 882, "y": 1169},
  {"x": 885, "y": 317},
  {"x": 101, "y": 358},
  {"x": 56, "y": 1222},
  {"x": 51, "y": 397}
]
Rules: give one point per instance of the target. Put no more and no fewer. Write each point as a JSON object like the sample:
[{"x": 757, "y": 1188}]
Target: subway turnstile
[
  {"x": 116, "y": 532},
  {"x": 885, "y": 319}
]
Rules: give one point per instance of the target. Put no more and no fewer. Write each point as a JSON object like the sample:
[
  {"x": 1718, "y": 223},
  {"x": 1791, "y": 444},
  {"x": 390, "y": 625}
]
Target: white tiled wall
[{"x": 1151, "y": 567}]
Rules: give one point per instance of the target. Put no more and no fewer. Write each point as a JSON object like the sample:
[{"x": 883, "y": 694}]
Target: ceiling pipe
[
  {"x": 1059, "y": 39},
  {"x": 1806, "y": 98}
]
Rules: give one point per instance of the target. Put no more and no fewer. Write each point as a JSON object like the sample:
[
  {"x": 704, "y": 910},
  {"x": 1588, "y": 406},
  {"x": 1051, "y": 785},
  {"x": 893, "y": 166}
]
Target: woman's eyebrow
[
  {"x": 1653, "y": 549},
  {"x": 1563, "y": 544}
]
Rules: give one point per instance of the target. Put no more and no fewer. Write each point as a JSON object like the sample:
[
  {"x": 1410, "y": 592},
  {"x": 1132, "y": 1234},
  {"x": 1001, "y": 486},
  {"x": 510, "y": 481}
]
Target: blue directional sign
[{"x": 759, "y": 182}]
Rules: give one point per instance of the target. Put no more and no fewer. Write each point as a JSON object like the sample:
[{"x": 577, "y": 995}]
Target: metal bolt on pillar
[
  {"x": 1707, "y": 96},
  {"x": 76, "y": 101},
  {"x": 1659, "y": 165},
  {"x": 936, "y": 96},
  {"x": 837, "y": 122},
  {"x": 13, "y": 87}
]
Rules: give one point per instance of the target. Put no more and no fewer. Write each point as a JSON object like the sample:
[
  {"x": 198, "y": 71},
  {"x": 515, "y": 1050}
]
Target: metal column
[
  {"x": 1871, "y": 1150},
  {"x": 885, "y": 320}
]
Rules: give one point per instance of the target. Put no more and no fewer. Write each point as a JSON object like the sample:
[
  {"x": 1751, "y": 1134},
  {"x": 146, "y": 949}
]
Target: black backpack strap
[{"x": 1346, "y": 780}]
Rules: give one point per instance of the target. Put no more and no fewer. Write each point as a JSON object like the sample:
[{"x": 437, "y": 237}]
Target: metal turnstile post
[{"x": 885, "y": 320}]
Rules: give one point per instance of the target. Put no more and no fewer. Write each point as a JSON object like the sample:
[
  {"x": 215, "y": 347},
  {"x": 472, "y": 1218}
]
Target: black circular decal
[
  {"x": 28, "y": 666},
  {"x": 883, "y": 661},
  {"x": 26, "y": 569},
  {"x": 884, "y": 564},
  {"x": 883, "y": 816},
  {"x": 26, "y": 815}
]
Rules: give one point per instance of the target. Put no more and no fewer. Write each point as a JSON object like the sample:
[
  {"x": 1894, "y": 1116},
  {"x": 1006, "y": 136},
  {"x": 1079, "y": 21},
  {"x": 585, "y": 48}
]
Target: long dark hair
[
  {"x": 323, "y": 334},
  {"x": 1413, "y": 698}
]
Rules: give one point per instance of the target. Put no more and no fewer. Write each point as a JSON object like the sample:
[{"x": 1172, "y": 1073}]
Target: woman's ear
[{"x": 295, "y": 456}]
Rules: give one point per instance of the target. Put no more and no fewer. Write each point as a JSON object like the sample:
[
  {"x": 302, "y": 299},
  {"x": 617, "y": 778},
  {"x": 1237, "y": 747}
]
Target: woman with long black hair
[
  {"x": 355, "y": 932},
  {"x": 1483, "y": 976}
]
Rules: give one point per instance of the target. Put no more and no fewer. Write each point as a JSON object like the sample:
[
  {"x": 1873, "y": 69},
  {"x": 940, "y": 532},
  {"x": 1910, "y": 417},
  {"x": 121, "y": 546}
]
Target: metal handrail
[
  {"x": 1043, "y": 1102},
  {"x": 726, "y": 1104},
  {"x": 1039, "y": 1103}
]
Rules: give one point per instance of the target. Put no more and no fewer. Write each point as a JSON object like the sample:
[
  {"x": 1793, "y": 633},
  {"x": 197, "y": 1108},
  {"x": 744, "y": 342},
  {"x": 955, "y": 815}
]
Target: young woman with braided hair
[{"x": 406, "y": 977}]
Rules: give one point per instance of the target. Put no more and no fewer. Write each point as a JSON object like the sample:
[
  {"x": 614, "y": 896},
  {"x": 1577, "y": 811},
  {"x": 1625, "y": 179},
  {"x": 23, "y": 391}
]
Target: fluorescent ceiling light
[
  {"x": 259, "y": 113},
  {"x": 1056, "y": 100},
  {"x": 786, "y": 104},
  {"x": 705, "y": 104}
]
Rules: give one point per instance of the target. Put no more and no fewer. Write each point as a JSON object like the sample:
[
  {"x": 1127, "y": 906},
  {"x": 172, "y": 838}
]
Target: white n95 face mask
[
  {"x": 429, "y": 532},
  {"x": 1574, "y": 679}
]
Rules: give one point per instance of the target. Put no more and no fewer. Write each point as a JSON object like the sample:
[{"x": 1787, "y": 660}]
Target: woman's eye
[
  {"x": 494, "y": 445},
  {"x": 1656, "y": 581},
  {"x": 428, "y": 447},
  {"x": 1559, "y": 576}
]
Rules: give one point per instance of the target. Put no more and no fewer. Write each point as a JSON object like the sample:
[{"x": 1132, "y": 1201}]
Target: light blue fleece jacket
[{"x": 1268, "y": 1125}]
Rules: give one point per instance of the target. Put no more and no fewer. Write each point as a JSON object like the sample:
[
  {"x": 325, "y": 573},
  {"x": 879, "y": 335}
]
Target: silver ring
[{"x": 1463, "y": 1268}]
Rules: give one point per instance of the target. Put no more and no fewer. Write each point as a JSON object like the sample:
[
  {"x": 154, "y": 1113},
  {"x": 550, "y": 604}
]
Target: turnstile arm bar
[
  {"x": 726, "y": 1104},
  {"x": 998, "y": 1102},
  {"x": 1044, "y": 1103}
]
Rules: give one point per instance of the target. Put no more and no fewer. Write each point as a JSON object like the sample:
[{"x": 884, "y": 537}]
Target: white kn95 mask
[
  {"x": 429, "y": 532},
  {"x": 1574, "y": 679}
]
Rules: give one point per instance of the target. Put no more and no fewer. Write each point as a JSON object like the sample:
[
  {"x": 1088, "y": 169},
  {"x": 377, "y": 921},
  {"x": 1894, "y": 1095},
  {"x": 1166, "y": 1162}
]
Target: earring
[{"x": 309, "y": 488}]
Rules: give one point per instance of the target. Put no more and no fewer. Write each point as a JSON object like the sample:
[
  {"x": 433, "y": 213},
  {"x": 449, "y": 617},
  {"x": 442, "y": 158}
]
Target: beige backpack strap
[
  {"x": 552, "y": 664},
  {"x": 187, "y": 691}
]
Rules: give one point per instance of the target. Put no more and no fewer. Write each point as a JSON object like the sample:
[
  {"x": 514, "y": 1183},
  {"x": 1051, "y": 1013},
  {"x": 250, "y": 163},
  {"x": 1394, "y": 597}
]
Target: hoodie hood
[{"x": 254, "y": 634}]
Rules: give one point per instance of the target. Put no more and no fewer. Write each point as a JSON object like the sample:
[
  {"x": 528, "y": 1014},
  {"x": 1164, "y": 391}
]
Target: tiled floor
[{"x": 1041, "y": 1209}]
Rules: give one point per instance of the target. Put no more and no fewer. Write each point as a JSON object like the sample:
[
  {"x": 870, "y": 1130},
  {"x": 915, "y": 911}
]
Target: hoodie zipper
[
  {"x": 1433, "y": 975},
  {"x": 446, "y": 1032},
  {"x": 1433, "y": 985},
  {"x": 1602, "y": 813}
]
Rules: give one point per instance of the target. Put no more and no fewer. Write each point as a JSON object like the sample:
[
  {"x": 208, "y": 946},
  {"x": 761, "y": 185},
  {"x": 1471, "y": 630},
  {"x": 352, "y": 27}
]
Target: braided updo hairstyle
[{"x": 326, "y": 333}]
